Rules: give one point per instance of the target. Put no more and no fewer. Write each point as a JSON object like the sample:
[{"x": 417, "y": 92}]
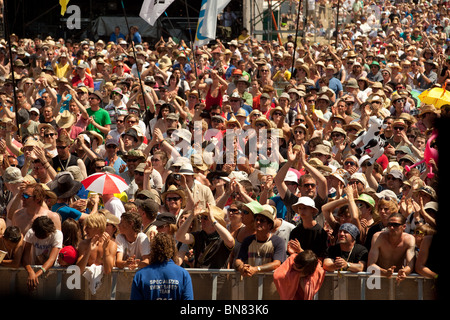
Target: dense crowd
[{"x": 243, "y": 151}]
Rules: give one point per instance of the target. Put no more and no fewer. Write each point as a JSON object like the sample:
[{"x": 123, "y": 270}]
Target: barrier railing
[{"x": 216, "y": 284}]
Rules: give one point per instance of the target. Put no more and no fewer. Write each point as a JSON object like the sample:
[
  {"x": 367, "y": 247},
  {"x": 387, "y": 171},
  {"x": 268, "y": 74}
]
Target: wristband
[
  {"x": 259, "y": 269},
  {"x": 43, "y": 269}
]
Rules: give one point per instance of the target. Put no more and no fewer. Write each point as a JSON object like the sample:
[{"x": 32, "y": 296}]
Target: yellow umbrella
[{"x": 435, "y": 96}]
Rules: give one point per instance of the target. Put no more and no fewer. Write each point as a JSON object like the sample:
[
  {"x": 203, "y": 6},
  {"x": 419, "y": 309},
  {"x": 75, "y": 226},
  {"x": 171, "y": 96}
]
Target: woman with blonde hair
[{"x": 385, "y": 206}]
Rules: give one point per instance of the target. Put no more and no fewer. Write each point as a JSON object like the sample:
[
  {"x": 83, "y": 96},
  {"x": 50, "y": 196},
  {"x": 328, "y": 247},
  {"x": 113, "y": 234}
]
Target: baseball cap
[
  {"x": 367, "y": 199},
  {"x": 268, "y": 211},
  {"x": 12, "y": 175},
  {"x": 69, "y": 254},
  {"x": 254, "y": 207}
]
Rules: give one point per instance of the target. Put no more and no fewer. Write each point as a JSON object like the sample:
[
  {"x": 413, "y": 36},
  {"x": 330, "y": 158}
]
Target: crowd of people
[{"x": 241, "y": 151}]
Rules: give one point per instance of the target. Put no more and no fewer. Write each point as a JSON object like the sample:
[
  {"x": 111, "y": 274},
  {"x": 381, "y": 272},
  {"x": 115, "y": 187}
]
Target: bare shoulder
[
  {"x": 379, "y": 236},
  {"x": 409, "y": 238}
]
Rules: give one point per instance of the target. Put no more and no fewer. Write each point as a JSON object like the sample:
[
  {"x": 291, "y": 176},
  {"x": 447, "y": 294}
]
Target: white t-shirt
[
  {"x": 115, "y": 206},
  {"x": 140, "y": 247},
  {"x": 42, "y": 247}
]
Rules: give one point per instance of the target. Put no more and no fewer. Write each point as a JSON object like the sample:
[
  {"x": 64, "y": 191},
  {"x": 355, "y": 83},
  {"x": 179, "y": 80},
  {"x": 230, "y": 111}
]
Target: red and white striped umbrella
[{"x": 105, "y": 183}]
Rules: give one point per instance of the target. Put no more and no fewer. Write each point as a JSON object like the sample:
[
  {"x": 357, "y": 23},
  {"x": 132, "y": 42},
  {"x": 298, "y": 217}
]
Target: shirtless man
[
  {"x": 393, "y": 250},
  {"x": 98, "y": 248},
  {"x": 33, "y": 206}
]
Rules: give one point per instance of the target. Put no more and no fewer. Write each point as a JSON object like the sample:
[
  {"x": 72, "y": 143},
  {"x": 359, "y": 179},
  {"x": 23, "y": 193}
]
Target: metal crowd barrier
[{"x": 217, "y": 284}]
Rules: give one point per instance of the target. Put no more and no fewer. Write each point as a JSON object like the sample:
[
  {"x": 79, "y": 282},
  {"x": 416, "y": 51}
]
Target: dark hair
[
  {"x": 307, "y": 260},
  {"x": 165, "y": 105},
  {"x": 304, "y": 177},
  {"x": 43, "y": 226},
  {"x": 398, "y": 215},
  {"x": 12, "y": 234},
  {"x": 134, "y": 219}
]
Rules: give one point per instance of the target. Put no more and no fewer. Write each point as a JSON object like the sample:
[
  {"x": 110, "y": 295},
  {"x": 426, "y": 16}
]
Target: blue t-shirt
[
  {"x": 281, "y": 208},
  {"x": 137, "y": 38},
  {"x": 66, "y": 212},
  {"x": 117, "y": 164},
  {"x": 65, "y": 105},
  {"x": 162, "y": 281}
]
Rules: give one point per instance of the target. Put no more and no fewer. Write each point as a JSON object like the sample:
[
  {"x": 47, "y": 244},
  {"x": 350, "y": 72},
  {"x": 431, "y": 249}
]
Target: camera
[{"x": 177, "y": 177}]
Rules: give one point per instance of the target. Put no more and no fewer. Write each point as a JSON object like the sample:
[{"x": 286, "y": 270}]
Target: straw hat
[
  {"x": 8, "y": 121},
  {"x": 301, "y": 125},
  {"x": 428, "y": 108},
  {"x": 262, "y": 119},
  {"x": 174, "y": 189},
  {"x": 65, "y": 120},
  {"x": 278, "y": 108},
  {"x": 217, "y": 213},
  {"x": 31, "y": 143},
  {"x": 233, "y": 120}
]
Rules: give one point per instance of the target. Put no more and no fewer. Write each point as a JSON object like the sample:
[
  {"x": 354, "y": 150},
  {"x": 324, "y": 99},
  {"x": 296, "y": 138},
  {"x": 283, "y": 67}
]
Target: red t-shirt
[{"x": 88, "y": 81}]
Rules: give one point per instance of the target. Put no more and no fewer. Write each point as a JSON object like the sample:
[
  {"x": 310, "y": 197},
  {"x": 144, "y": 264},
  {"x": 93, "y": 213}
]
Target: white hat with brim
[{"x": 307, "y": 201}]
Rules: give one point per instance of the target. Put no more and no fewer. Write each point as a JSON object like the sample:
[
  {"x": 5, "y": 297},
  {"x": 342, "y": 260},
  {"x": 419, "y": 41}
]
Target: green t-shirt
[{"x": 100, "y": 116}]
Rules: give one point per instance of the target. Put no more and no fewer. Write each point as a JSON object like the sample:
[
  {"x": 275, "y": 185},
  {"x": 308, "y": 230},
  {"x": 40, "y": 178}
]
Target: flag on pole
[
  {"x": 207, "y": 21},
  {"x": 152, "y": 9},
  {"x": 63, "y": 4}
]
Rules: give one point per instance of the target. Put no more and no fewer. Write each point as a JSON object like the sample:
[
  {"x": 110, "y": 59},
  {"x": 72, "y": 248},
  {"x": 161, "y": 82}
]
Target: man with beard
[{"x": 346, "y": 254}]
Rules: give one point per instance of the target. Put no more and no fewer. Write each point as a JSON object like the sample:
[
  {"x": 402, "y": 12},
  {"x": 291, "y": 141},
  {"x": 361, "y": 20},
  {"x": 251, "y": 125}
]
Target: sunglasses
[
  {"x": 419, "y": 233},
  {"x": 310, "y": 100},
  {"x": 309, "y": 185},
  {"x": 26, "y": 196},
  {"x": 360, "y": 205},
  {"x": 349, "y": 163},
  {"x": 260, "y": 220},
  {"x": 300, "y": 120},
  {"x": 111, "y": 146},
  {"x": 174, "y": 199},
  {"x": 233, "y": 211},
  {"x": 132, "y": 160},
  {"x": 139, "y": 173},
  {"x": 298, "y": 132},
  {"x": 245, "y": 212},
  {"x": 277, "y": 114},
  {"x": 257, "y": 115},
  {"x": 99, "y": 167},
  {"x": 61, "y": 147},
  {"x": 336, "y": 135},
  {"x": 47, "y": 135},
  {"x": 394, "y": 224},
  {"x": 399, "y": 128}
]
